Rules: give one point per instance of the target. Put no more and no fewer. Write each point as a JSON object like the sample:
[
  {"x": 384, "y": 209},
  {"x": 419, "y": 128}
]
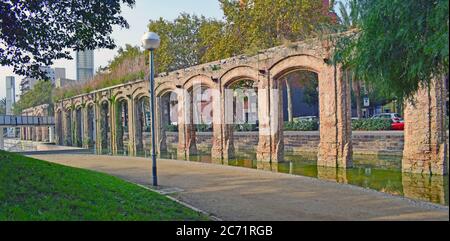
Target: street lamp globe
[{"x": 150, "y": 41}]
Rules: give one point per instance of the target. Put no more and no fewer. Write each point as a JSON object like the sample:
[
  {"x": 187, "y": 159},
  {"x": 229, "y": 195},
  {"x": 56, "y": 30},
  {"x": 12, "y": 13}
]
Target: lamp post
[{"x": 151, "y": 41}]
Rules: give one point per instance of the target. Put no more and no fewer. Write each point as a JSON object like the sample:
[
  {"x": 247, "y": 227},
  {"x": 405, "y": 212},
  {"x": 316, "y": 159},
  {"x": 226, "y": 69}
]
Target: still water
[{"x": 380, "y": 173}]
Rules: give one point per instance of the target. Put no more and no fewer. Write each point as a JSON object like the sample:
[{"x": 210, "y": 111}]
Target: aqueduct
[{"x": 105, "y": 118}]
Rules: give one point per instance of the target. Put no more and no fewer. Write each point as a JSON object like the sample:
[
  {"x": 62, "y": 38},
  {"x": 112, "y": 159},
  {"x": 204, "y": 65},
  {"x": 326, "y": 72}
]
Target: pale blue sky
[{"x": 138, "y": 18}]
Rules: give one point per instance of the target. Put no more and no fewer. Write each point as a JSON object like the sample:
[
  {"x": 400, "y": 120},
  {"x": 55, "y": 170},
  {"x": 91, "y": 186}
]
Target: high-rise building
[
  {"x": 10, "y": 101},
  {"x": 85, "y": 65},
  {"x": 10, "y": 94},
  {"x": 28, "y": 83},
  {"x": 60, "y": 73}
]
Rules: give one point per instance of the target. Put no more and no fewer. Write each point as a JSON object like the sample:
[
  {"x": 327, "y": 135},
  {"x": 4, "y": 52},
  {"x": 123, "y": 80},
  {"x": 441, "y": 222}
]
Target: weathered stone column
[
  {"x": 425, "y": 149},
  {"x": 33, "y": 134},
  {"x": 98, "y": 128},
  {"x": 29, "y": 134},
  {"x": 44, "y": 131},
  {"x": 264, "y": 150},
  {"x": 38, "y": 134},
  {"x": 51, "y": 134},
  {"x": 335, "y": 149},
  {"x": 2, "y": 142},
  {"x": 270, "y": 112},
  {"x": 85, "y": 117},
  {"x": 113, "y": 126},
  {"x": 427, "y": 188},
  {"x": 217, "y": 151},
  {"x": 227, "y": 99},
  {"x": 276, "y": 121},
  {"x": 131, "y": 126},
  {"x": 22, "y": 133},
  {"x": 162, "y": 120},
  {"x": 186, "y": 129}
]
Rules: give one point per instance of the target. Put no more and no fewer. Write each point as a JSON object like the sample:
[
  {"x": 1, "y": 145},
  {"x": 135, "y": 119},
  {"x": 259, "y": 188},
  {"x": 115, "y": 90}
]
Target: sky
[{"x": 138, "y": 18}]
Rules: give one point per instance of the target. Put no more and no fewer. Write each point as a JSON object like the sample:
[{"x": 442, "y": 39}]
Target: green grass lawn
[{"x": 31, "y": 189}]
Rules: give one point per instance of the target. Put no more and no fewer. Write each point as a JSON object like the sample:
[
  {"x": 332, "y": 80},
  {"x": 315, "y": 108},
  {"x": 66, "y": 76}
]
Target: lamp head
[{"x": 150, "y": 41}]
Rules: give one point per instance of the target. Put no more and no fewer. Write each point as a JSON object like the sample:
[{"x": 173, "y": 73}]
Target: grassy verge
[{"x": 31, "y": 189}]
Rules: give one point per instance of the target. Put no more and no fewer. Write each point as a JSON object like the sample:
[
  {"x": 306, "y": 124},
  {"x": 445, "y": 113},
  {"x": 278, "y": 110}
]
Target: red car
[{"x": 398, "y": 124}]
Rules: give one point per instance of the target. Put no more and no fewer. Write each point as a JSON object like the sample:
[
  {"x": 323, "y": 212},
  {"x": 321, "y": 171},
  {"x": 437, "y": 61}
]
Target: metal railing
[{"x": 9, "y": 120}]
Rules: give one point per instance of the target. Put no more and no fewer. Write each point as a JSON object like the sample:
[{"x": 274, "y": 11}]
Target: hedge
[
  {"x": 372, "y": 125},
  {"x": 301, "y": 125},
  {"x": 246, "y": 127}
]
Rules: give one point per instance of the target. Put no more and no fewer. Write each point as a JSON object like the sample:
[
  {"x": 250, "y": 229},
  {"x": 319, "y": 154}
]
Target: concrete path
[{"x": 232, "y": 193}]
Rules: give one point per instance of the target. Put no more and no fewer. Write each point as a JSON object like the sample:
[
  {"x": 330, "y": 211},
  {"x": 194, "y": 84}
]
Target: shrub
[
  {"x": 172, "y": 128},
  {"x": 372, "y": 125},
  {"x": 301, "y": 125},
  {"x": 203, "y": 127},
  {"x": 246, "y": 127}
]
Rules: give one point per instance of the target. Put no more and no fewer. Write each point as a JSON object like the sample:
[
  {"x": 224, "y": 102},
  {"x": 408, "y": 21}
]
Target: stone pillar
[
  {"x": 22, "y": 133},
  {"x": 33, "y": 134},
  {"x": 131, "y": 126},
  {"x": 276, "y": 121},
  {"x": 217, "y": 151},
  {"x": 227, "y": 107},
  {"x": 335, "y": 148},
  {"x": 264, "y": 144},
  {"x": 425, "y": 148},
  {"x": 29, "y": 134},
  {"x": 186, "y": 129},
  {"x": 2, "y": 141},
  {"x": 426, "y": 188},
  {"x": 38, "y": 134},
  {"x": 44, "y": 131},
  {"x": 98, "y": 128},
  {"x": 113, "y": 126},
  {"x": 270, "y": 112},
  {"x": 85, "y": 131},
  {"x": 162, "y": 112},
  {"x": 51, "y": 134}
]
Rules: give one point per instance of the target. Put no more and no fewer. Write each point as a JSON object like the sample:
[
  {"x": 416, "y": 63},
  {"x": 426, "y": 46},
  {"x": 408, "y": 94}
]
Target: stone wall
[{"x": 380, "y": 142}]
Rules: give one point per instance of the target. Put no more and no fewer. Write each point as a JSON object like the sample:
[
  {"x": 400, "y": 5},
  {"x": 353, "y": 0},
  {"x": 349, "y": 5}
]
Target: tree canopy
[
  {"x": 39, "y": 95},
  {"x": 35, "y": 33},
  {"x": 400, "y": 45}
]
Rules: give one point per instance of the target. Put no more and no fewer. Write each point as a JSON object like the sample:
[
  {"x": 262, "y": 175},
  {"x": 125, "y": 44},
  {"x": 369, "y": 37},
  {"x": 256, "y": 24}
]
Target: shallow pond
[{"x": 380, "y": 173}]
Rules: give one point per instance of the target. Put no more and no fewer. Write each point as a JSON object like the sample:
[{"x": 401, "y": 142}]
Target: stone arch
[
  {"x": 233, "y": 103},
  {"x": 121, "y": 117},
  {"x": 104, "y": 122},
  {"x": 239, "y": 73},
  {"x": 141, "y": 100},
  {"x": 296, "y": 63},
  {"x": 335, "y": 148},
  {"x": 167, "y": 113},
  {"x": 199, "y": 79}
]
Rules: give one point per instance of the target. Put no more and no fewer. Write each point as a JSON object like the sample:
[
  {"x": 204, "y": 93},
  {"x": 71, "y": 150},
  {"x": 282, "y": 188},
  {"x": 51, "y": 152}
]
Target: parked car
[{"x": 398, "y": 122}]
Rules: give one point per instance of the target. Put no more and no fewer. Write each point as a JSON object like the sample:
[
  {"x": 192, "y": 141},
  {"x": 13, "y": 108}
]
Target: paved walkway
[{"x": 232, "y": 193}]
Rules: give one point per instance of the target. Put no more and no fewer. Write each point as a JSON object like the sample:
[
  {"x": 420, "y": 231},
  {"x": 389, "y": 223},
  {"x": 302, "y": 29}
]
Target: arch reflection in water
[{"x": 380, "y": 173}]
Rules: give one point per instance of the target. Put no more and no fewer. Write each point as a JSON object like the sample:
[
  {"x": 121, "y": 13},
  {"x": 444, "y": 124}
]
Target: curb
[{"x": 214, "y": 218}]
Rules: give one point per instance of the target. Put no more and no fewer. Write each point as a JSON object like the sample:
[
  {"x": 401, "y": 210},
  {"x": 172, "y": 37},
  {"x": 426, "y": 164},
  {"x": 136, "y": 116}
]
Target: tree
[
  {"x": 400, "y": 46},
  {"x": 254, "y": 25},
  {"x": 3, "y": 106},
  {"x": 35, "y": 33},
  {"x": 180, "y": 42},
  {"x": 349, "y": 20},
  {"x": 123, "y": 54},
  {"x": 39, "y": 95}
]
